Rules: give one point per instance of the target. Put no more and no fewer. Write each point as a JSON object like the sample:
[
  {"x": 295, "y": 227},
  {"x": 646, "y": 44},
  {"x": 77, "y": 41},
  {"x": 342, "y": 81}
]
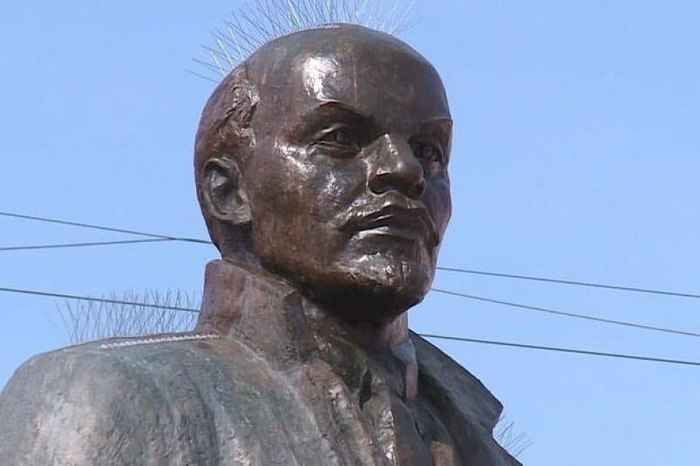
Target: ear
[{"x": 223, "y": 194}]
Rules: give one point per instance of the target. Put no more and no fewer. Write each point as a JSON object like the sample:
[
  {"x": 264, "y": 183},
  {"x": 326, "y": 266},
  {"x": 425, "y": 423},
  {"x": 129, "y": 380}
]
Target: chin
[{"x": 375, "y": 288}]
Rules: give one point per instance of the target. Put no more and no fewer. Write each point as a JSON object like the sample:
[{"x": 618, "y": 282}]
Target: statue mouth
[{"x": 398, "y": 220}]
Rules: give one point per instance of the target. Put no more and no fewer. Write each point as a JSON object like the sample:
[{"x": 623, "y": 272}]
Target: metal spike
[{"x": 263, "y": 20}]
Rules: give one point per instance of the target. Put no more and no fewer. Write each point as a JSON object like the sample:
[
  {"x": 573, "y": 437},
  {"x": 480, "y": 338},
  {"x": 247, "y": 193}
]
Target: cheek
[
  {"x": 439, "y": 203},
  {"x": 276, "y": 178},
  {"x": 336, "y": 184},
  {"x": 281, "y": 204},
  {"x": 302, "y": 188}
]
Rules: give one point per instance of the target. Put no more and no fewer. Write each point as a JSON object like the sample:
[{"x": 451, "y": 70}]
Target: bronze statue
[{"x": 321, "y": 170}]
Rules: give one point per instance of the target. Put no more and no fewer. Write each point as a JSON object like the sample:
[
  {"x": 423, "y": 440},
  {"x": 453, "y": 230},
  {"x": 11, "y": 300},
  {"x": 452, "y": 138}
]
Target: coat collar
[
  {"x": 271, "y": 316},
  {"x": 275, "y": 320}
]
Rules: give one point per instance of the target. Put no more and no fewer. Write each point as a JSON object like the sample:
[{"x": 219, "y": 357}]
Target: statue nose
[{"x": 394, "y": 167}]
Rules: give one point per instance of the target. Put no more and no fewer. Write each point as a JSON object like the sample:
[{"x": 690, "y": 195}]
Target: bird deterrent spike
[{"x": 260, "y": 21}]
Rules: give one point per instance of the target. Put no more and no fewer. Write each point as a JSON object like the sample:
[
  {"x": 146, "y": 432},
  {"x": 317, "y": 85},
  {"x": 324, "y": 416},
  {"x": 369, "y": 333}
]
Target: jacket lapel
[{"x": 466, "y": 407}]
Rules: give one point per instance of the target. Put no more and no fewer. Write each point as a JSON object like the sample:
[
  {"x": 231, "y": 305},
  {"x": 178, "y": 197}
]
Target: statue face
[{"x": 348, "y": 185}]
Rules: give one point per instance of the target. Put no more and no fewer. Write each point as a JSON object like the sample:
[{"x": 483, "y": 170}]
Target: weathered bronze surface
[{"x": 321, "y": 170}]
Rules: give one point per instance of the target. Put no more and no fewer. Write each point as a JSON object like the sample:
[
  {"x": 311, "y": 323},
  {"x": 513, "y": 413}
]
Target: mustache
[{"x": 390, "y": 210}]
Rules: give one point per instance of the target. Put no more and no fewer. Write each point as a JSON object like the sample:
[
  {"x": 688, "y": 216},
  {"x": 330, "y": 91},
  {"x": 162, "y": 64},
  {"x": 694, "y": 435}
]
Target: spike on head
[{"x": 260, "y": 21}]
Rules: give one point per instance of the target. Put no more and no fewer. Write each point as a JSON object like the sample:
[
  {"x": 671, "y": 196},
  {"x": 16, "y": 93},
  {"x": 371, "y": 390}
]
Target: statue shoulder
[
  {"x": 104, "y": 399},
  {"x": 102, "y": 363}
]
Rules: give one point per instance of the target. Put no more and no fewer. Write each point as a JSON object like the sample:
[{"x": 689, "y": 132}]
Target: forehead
[{"x": 369, "y": 72}]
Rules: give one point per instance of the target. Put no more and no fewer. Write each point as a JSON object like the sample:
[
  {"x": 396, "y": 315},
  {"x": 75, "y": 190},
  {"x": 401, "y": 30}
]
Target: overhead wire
[
  {"x": 83, "y": 245},
  {"x": 528, "y": 307},
  {"x": 102, "y": 228},
  {"x": 570, "y": 282},
  {"x": 573, "y": 315},
  {"x": 444, "y": 269},
  {"x": 425, "y": 335},
  {"x": 563, "y": 350},
  {"x": 93, "y": 299},
  {"x": 153, "y": 237}
]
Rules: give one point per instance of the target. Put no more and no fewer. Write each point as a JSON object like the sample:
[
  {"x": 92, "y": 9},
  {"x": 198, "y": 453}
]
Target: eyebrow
[
  {"x": 310, "y": 115},
  {"x": 437, "y": 119},
  {"x": 336, "y": 104},
  {"x": 359, "y": 113},
  {"x": 437, "y": 126}
]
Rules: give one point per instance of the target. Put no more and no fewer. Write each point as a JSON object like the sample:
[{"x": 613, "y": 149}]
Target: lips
[{"x": 395, "y": 220}]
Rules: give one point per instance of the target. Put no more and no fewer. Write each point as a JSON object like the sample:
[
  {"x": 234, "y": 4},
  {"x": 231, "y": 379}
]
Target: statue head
[{"x": 322, "y": 158}]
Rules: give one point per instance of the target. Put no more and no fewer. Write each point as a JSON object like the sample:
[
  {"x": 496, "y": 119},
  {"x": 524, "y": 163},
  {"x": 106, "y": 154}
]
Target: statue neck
[
  {"x": 247, "y": 301},
  {"x": 272, "y": 318}
]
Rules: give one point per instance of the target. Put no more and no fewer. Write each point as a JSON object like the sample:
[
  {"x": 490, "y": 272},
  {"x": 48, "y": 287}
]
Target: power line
[
  {"x": 82, "y": 245},
  {"x": 97, "y": 300},
  {"x": 569, "y": 314},
  {"x": 570, "y": 282},
  {"x": 564, "y": 350},
  {"x": 445, "y": 269},
  {"x": 425, "y": 335},
  {"x": 158, "y": 237},
  {"x": 437, "y": 290},
  {"x": 100, "y": 227}
]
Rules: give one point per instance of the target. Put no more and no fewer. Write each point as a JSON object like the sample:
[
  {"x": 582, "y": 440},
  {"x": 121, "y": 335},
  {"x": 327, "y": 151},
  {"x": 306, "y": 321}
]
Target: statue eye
[
  {"x": 342, "y": 137},
  {"x": 427, "y": 152}
]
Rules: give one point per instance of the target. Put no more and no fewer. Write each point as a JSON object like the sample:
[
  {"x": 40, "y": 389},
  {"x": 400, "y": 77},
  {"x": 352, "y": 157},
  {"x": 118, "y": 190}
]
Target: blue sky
[{"x": 575, "y": 156}]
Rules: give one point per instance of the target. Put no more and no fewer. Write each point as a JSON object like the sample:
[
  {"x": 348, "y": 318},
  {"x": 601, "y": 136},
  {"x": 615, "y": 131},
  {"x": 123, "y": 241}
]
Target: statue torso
[{"x": 287, "y": 395}]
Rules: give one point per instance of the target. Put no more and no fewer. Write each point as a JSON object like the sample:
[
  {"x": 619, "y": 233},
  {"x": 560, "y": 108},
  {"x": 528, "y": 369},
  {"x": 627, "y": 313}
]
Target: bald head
[
  {"x": 344, "y": 63},
  {"x": 310, "y": 142},
  {"x": 354, "y": 65}
]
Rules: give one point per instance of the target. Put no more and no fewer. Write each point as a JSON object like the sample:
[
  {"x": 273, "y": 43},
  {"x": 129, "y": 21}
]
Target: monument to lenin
[{"x": 321, "y": 167}]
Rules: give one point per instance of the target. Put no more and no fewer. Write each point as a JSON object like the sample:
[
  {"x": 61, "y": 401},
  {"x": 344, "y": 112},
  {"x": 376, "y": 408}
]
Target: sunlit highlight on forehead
[{"x": 316, "y": 72}]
